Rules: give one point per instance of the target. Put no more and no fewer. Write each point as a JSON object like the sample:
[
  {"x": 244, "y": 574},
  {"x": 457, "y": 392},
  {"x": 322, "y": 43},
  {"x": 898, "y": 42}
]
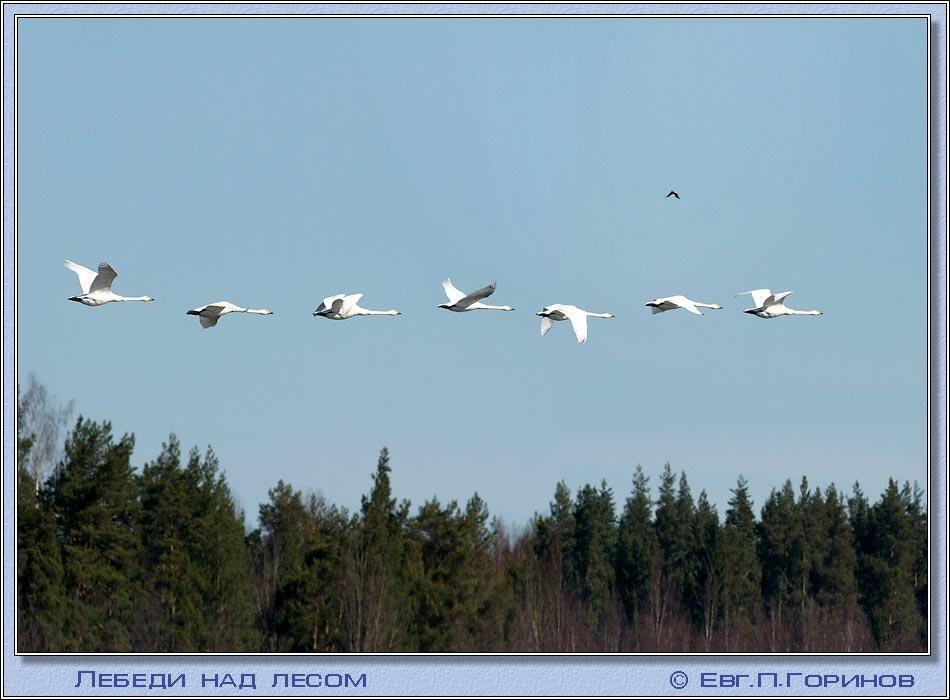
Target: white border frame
[{"x": 311, "y": 11}]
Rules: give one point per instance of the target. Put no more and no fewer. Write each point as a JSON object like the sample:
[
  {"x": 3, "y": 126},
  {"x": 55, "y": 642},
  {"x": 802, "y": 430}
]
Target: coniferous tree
[
  {"x": 308, "y": 606},
  {"x": 171, "y": 614},
  {"x": 41, "y": 599},
  {"x": 742, "y": 574},
  {"x": 594, "y": 543},
  {"x": 378, "y": 570},
  {"x": 94, "y": 500},
  {"x": 280, "y": 562},
  {"x": 706, "y": 592},
  {"x": 889, "y": 561},
  {"x": 675, "y": 571},
  {"x": 547, "y": 579},
  {"x": 441, "y": 594},
  {"x": 836, "y": 589},
  {"x": 684, "y": 556},
  {"x": 780, "y": 545},
  {"x": 918, "y": 519},
  {"x": 813, "y": 528},
  {"x": 196, "y": 568},
  {"x": 479, "y": 613},
  {"x": 636, "y": 550},
  {"x": 562, "y": 519},
  {"x": 667, "y": 579},
  {"x": 218, "y": 547}
]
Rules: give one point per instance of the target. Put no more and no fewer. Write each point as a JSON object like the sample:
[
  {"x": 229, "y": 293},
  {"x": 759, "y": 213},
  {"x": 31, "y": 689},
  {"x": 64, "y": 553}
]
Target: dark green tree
[
  {"x": 595, "y": 533},
  {"x": 914, "y": 497},
  {"x": 94, "y": 500},
  {"x": 887, "y": 556},
  {"x": 674, "y": 572},
  {"x": 280, "y": 563},
  {"x": 41, "y": 596},
  {"x": 172, "y": 612},
  {"x": 378, "y": 603},
  {"x": 706, "y": 589},
  {"x": 196, "y": 568},
  {"x": 636, "y": 550},
  {"x": 742, "y": 574}
]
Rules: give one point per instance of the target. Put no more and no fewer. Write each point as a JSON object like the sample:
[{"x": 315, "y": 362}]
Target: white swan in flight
[
  {"x": 563, "y": 312},
  {"x": 678, "y": 301},
  {"x": 769, "y": 305},
  {"x": 209, "y": 314},
  {"x": 343, "y": 306},
  {"x": 97, "y": 286},
  {"x": 460, "y": 301}
]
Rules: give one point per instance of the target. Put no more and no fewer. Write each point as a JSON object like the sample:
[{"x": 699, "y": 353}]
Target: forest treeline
[{"x": 113, "y": 559}]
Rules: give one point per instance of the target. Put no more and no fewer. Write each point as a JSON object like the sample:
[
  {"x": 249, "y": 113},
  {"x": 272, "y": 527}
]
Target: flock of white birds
[{"x": 97, "y": 290}]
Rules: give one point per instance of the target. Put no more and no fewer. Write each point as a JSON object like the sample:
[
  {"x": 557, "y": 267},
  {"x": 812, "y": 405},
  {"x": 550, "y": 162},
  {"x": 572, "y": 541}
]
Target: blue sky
[{"x": 274, "y": 162}]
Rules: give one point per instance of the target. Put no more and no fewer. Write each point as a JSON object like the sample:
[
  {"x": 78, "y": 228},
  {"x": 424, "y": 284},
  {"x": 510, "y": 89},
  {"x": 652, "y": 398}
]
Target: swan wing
[
  {"x": 85, "y": 275},
  {"x": 776, "y": 298},
  {"x": 348, "y": 302},
  {"x": 578, "y": 320},
  {"x": 546, "y": 324},
  {"x": 208, "y": 314},
  {"x": 482, "y": 293},
  {"x": 104, "y": 279},
  {"x": 329, "y": 302},
  {"x": 451, "y": 292},
  {"x": 758, "y": 296},
  {"x": 212, "y": 310},
  {"x": 685, "y": 303}
]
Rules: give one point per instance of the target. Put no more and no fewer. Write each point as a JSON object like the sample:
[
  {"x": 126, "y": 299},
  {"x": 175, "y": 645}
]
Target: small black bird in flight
[{"x": 672, "y": 194}]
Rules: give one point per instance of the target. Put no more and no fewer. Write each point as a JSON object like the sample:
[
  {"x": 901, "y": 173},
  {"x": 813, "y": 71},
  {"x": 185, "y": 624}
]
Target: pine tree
[
  {"x": 667, "y": 588},
  {"x": 171, "y": 615},
  {"x": 280, "y": 563},
  {"x": 636, "y": 550},
  {"x": 94, "y": 501},
  {"x": 836, "y": 589},
  {"x": 685, "y": 547},
  {"x": 706, "y": 592},
  {"x": 918, "y": 518},
  {"x": 809, "y": 514},
  {"x": 674, "y": 572},
  {"x": 378, "y": 564},
  {"x": 563, "y": 525},
  {"x": 309, "y": 600},
  {"x": 742, "y": 574},
  {"x": 41, "y": 599},
  {"x": 889, "y": 562},
  {"x": 217, "y": 546},
  {"x": 594, "y": 544},
  {"x": 546, "y": 579}
]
